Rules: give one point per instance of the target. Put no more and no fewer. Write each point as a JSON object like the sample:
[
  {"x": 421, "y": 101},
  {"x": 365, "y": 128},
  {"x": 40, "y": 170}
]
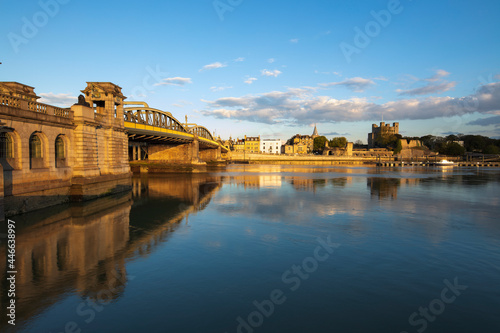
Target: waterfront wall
[
  {"x": 31, "y": 169},
  {"x": 51, "y": 155},
  {"x": 301, "y": 160}
]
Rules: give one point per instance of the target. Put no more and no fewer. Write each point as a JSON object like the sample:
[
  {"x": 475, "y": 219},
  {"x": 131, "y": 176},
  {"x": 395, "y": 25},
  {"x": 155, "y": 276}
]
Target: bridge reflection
[{"x": 83, "y": 248}]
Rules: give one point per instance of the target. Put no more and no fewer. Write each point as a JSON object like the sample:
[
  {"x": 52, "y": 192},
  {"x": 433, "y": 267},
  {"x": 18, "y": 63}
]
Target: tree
[
  {"x": 475, "y": 142},
  {"x": 428, "y": 141},
  {"x": 319, "y": 143},
  {"x": 358, "y": 144},
  {"x": 385, "y": 140},
  {"x": 398, "y": 147},
  {"x": 340, "y": 142},
  {"x": 290, "y": 141},
  {"x": 491, "y": 149},
  {"x": 452, "y": 149}
]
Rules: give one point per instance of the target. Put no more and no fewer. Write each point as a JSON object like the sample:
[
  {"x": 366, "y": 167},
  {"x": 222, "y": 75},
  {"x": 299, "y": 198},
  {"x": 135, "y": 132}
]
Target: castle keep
[{"x": 382, "y": 130}]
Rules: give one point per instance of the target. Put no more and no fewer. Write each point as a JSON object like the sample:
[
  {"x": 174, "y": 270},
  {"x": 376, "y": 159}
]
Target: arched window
[
  {"x": 36, "y": 152},
  {"x": 35, "y": 147},
  {"x": 6, "y": 147},
  {"x": 60, "y": 148},
  {"x": 60, "y": 152}
]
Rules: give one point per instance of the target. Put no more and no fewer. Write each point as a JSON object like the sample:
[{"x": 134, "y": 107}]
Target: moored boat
[{"x": 445, "y": 163}]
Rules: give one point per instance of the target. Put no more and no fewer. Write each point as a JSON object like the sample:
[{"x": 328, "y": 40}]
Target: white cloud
[
  {"x": 436, "y": 84},
  {"x": 300, "y": 105},
  {"x": 240, "y": 59},
  {"x": 428, "y": 89},
  {"x": 328, "y": 73},
  {"x": 440, "y": 73},
  {"x": 357, "y": 84},
  {"x": 294, "y": 40},
  {"x": 174, "y": 81},
  {"x": 213, "y": 66},
  {"x": 250, "y": 80},
  {"x": 58, "y": 99},
  {"x": 274, "y": 73},
  {"x": 271, "y": 60},
  {"x": 215, "y": 89}
]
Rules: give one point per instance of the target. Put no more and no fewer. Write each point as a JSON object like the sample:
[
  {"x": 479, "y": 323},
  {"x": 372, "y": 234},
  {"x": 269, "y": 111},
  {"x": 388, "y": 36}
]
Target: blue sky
[{"x": 270, "y": 68}]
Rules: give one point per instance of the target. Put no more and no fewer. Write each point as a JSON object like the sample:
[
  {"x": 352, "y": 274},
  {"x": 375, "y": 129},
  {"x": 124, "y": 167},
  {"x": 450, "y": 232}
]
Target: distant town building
[
  {"x": 239, "y": 145},
  {"x": 301, "y": 144},
  {"x": 228, "y": 144},
  {"x": 252, "y": 144},
  {"x": 338, "y": 151},
  {"x": 382, "y": 130},
  {"x": 271, "y": 146}
]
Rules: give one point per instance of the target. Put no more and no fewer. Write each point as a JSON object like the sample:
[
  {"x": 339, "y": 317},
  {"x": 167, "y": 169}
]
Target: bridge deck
[{"x": 149, "y": 133}]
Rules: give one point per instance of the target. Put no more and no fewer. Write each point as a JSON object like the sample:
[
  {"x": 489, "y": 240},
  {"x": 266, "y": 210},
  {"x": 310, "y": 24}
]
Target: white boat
[{"x": 445, "y": 163}]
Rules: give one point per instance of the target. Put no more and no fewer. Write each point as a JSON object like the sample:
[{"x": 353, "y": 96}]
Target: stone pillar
[
  {"x": 85, "y": 145},
  {"x": 113, "y": 146},
  {"x": 219, "y": 154},
  {"x": 195, "y": 150},
  {"x": 349, "y": 148}
]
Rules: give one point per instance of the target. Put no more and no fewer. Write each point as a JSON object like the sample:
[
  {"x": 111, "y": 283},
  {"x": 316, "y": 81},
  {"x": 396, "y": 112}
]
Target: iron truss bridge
[{"x": 146, "y": 124}]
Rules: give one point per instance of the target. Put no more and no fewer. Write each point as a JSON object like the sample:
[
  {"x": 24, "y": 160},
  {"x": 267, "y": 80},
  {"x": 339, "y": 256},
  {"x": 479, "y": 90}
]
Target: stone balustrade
[{"x": 34, "y": 106}]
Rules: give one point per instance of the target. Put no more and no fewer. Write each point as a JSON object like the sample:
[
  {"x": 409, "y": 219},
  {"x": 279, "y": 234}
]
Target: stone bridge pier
[
  {"x": 183, "y": 153},
  {"x": 186, "y": 153},
  {"x": 210, "y": 154}
]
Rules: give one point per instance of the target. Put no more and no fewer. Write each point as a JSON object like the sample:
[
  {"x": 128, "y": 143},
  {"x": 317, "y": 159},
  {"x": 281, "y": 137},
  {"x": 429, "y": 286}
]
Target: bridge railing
[
  {"x": 201, "y": 131},
  {"x": 22, "y": 104},
  {"x": 153, "y": 118}
]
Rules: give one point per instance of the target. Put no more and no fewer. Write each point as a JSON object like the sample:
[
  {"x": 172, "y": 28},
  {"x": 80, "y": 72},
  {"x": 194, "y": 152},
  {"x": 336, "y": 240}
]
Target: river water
[{"x": 267, "y": 249}]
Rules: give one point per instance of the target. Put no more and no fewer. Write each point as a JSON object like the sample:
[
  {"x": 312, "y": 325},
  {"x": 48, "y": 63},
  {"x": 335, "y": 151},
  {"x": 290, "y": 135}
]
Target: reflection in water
[
  {"x": 300, "y": 183},
  {"x": 165, "y": 202},
  {"x": 79, "y": 247},
  {"x": 83, "y": 248},
  {"x": 308, "y": 184},
  {"x": 205, "y": 246},
  {"x": 388, "y": 187},
  {"x": 383, "y": 187}
]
